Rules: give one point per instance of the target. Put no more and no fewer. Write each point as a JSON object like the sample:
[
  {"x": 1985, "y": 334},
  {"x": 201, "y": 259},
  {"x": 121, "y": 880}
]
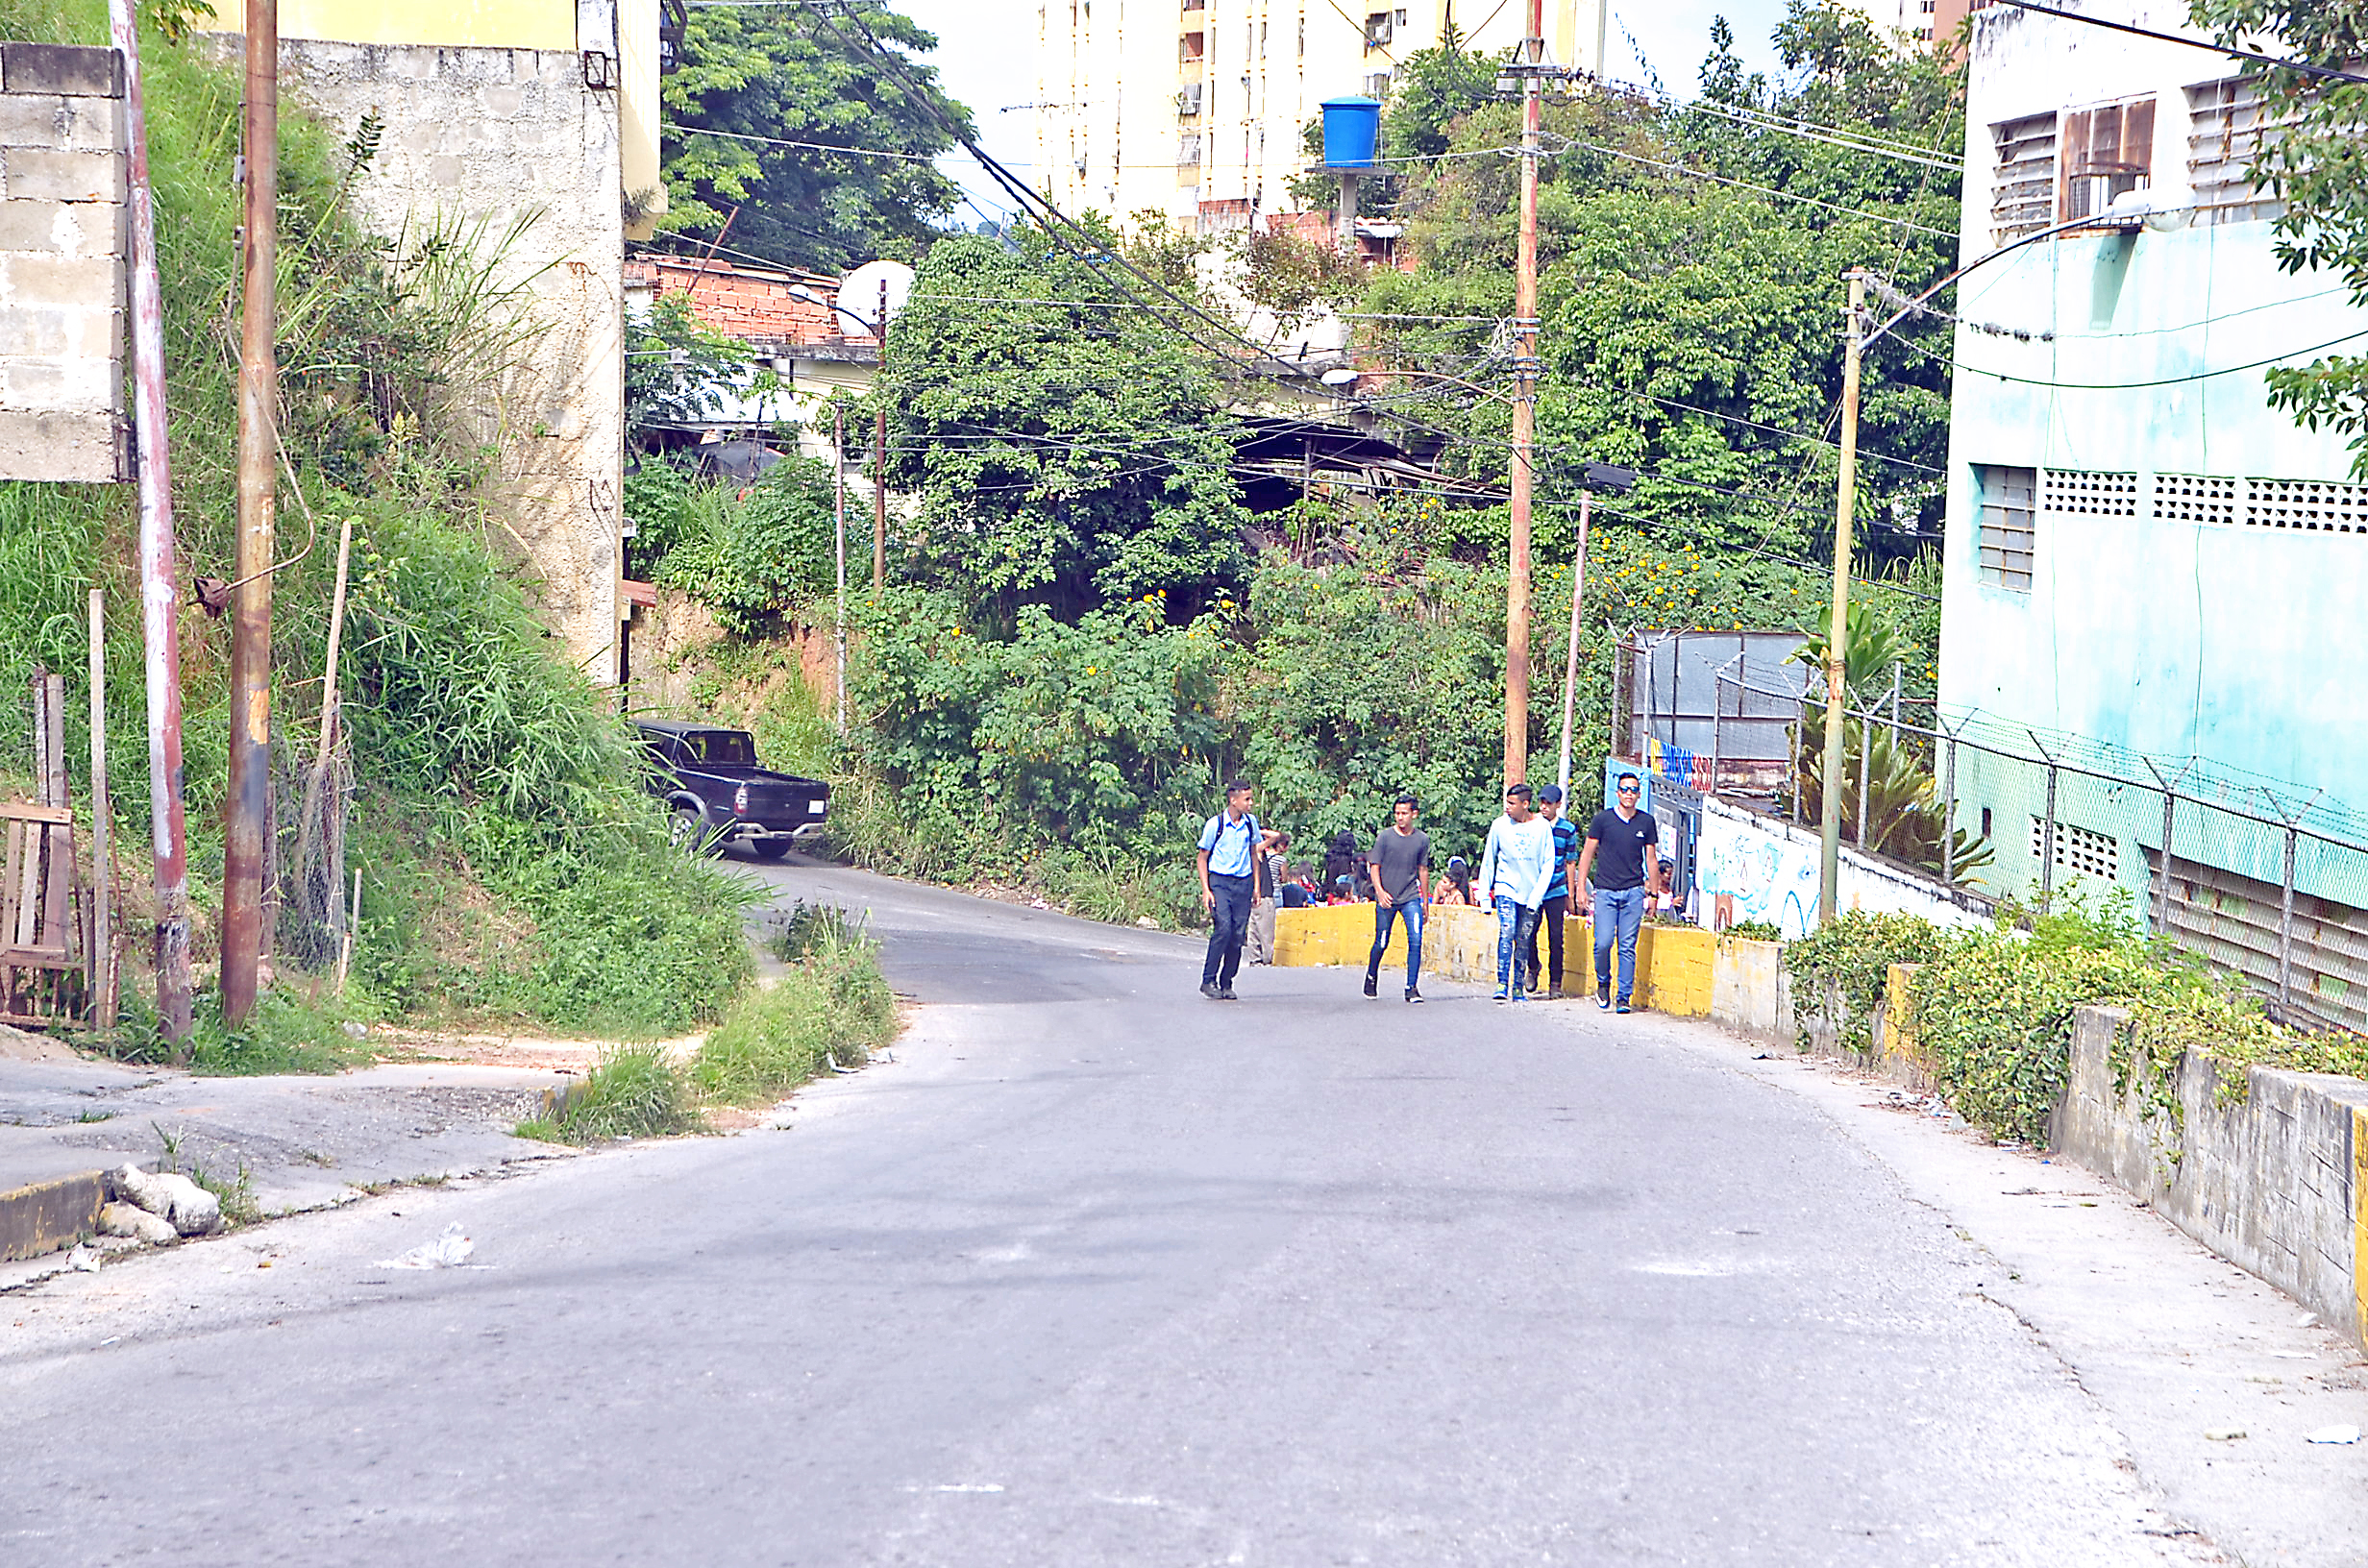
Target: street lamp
[{"x": 2129, "y": 213}]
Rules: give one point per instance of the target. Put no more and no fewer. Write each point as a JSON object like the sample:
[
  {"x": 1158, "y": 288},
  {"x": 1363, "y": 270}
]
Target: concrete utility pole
[
  {"x": 159, "y": 622},
  {"x": 1570, "y": 657},
  {"x": 247, "y": 808},
  {"x": 1525, "y": 408},
  {"x": 1837, "y": 639},
  {"x": 838, "y": 505},
  {"x": 880, "y": 454}
]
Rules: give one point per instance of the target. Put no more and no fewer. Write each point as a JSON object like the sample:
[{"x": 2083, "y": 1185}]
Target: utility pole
[
  {"x": 159, "y": 622},
  {"x": 1570, "y": 659},
  {"x": 1838, "y": 638},
  {"x": 246, "y": 809},
  {"x": 839, "y": 529},
  {"x": 1524, "y": 406},
  {"x": 879, "y": 453}
]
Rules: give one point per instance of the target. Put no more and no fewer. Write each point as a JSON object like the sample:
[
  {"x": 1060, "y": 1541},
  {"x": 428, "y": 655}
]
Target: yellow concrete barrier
[{"x": 1674, "y": 969}]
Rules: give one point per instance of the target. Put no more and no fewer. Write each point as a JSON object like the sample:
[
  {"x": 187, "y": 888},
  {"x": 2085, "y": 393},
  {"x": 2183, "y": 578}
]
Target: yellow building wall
[
  {"x": 454, "y": 24},
  {"x": 638, "y": 112}
]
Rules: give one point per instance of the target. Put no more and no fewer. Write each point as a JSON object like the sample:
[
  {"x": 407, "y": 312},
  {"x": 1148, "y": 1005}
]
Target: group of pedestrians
[{"x": 1536, "y": 864}]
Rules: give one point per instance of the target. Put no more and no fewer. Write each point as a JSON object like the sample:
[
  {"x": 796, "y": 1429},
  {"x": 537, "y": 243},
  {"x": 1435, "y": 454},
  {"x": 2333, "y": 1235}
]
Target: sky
[{"x": 986, "y": 58}]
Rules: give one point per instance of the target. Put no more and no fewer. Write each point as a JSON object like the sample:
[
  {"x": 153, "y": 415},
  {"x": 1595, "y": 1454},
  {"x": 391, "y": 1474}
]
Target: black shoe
[
  {"x": 1208, "y": 989},
  {"x": 1224, "y": 993},
  {"x": 1413, "y": 995},
  {"x": 1622, "y": 1007},
  {"x": 1371, "y": 987},
  {"x": 1603, "y": 999}
]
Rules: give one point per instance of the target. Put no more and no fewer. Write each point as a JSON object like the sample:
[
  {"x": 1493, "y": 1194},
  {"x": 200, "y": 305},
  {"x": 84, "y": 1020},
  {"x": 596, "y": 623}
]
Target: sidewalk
[{"x": 303, "y": 1141}]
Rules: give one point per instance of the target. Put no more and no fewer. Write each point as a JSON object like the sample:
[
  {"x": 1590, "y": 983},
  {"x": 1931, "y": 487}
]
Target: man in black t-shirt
[
  {"x": 1401, "y": 865},
  {"x": 1627, "y": 883}
]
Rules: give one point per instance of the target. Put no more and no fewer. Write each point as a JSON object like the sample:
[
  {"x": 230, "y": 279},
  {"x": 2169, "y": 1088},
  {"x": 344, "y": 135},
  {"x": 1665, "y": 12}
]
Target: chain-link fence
[{"x": 2262, "y": 878}]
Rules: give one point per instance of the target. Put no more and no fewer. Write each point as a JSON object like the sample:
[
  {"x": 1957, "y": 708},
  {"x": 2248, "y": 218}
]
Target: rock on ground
[
  {"x": 137, "y": 1223},
  {"x": 192, "y": 1210}
]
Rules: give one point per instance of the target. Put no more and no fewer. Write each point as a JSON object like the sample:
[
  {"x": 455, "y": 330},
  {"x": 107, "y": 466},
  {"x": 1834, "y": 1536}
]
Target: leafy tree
[
  {"x": 1690, "y": 321},
  {"x": 804, "y": 74},
  {"x": 675, "y": 370},
  {"x": 2317, "y": 165},
  {"x": 1069, "y": 449},
  {"x": 1435, "y": 87}
]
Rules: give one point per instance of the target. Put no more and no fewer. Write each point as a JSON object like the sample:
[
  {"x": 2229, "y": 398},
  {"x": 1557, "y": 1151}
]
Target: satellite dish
[{"x": 859, "y": 296}]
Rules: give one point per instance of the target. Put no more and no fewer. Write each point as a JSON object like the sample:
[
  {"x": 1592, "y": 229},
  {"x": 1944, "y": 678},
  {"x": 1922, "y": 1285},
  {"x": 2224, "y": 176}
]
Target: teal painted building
[{"x": 2151, "y": 573}]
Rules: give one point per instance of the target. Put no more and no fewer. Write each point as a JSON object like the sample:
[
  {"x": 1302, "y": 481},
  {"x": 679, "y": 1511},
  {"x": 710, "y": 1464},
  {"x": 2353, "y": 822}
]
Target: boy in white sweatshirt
[{"x": 1514, "y": 875}]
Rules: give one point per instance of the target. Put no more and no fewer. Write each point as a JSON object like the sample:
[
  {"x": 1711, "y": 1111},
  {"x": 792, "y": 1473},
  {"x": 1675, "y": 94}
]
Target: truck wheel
[
  {"x": 768, "y": 849},
  {"x": 688, "y": 833}
]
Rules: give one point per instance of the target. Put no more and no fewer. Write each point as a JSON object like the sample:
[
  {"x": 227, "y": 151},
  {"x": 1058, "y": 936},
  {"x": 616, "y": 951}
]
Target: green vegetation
[
  {"x": 513, "y": 869},
  {"x": 803, "y": 74},
  {"x": 1086, "y": 627},
  {"x": 1992, "y": 1009},
  {"x": 632, "y": 1091},
  {"x": 830, "y": 1011}
]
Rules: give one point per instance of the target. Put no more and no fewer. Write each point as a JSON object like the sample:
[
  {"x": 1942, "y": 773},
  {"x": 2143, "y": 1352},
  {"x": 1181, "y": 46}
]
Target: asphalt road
[{"x": 1099, "y": 1272}]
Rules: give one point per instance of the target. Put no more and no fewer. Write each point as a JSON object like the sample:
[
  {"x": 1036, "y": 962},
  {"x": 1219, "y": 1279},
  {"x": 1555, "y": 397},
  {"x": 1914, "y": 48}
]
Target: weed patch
[{"x": 632, "y": 1091}]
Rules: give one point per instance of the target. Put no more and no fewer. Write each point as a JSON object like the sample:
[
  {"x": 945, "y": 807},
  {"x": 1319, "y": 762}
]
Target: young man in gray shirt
[{"x": 1401, "y": 863}]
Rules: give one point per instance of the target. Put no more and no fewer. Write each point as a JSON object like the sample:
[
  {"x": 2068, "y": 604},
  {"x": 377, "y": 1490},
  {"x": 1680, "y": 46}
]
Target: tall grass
[{"x": 511, "y": 867}]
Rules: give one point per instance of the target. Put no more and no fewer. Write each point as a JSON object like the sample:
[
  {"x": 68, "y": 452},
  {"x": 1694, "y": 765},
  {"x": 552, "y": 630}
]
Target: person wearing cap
[{"x": 1557, "y": 905}]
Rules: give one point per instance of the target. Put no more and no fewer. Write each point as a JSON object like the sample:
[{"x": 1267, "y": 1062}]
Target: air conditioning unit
[
  {"x": 1377, "y": 84},
  {"x": 1188, "y": 100}
]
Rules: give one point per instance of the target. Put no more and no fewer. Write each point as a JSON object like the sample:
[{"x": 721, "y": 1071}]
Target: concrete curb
[{"x": 47, "y": 1215}]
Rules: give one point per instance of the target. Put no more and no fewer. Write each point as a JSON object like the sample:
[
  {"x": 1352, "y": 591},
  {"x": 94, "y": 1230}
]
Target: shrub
[{"x": 632, "y": 1091}]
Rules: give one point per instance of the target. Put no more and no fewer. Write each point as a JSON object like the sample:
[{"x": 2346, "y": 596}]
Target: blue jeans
[
  {"x": 1384, "y": 917},
  {"x": 1515, "y": 925},
  {"x": 1228, "y": 925},
  {"x": 1619, "y": 912}
]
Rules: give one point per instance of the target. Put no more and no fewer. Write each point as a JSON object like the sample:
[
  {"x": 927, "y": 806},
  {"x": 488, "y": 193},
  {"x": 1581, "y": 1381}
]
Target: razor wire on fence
[{"x": 2263, "y": 878}]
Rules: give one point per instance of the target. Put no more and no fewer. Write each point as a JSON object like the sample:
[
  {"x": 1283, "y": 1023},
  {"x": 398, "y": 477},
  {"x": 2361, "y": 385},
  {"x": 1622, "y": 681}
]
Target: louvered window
[
  {"x": 2225, "y": 127},
  {"x": 2023, "y": 190}
]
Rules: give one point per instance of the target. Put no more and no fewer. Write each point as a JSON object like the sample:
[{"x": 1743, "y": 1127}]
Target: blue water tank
[{"x": 1350, "y": 128}]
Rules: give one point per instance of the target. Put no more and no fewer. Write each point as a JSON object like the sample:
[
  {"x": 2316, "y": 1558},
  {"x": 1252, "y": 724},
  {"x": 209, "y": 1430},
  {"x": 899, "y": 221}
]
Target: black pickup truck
[{"x": 708, "y": 778}]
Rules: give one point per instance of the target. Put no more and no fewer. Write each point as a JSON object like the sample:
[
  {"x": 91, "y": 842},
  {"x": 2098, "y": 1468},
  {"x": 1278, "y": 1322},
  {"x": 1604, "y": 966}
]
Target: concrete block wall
[
  {"x": 2277, "y": 1184},
  {"x": 492, "y": 137},
  {"x": 63, "y": 240}
]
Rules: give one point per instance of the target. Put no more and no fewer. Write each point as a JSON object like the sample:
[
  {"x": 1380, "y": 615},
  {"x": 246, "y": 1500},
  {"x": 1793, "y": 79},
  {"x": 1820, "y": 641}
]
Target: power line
[
  {"x": 1765, "y": 190},
  {"x": 784, "y": 142},
  {"x": 2324, "y": 72}
]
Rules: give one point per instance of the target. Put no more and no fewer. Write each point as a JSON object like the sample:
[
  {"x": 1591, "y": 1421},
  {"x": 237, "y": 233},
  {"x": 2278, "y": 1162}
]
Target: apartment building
[
  {"x": 1197, "y": 109},
  {"x": 2151, "y": 573}
]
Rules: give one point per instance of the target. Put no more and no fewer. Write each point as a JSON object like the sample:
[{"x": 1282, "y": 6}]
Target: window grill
[
  {"x": 2079, "y": 851},
  {"x": 2007, "y": 537},
  {"x": 2225, "y": 127},
  {"x": 2080, "y": 493},
  {"x": 2023, "y": 185},
  {"x": 1188, "y": 150}
]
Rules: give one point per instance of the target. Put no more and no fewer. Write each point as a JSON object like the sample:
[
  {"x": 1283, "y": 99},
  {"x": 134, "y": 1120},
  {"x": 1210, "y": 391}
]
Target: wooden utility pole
[
  {"x": 247, "y": 808},
  {"x": 879, "y": 453},
  {"x": 1524, "y": 408},
  {"x": 1837, "y": 636},
  {"x": 160, "y": 588}
]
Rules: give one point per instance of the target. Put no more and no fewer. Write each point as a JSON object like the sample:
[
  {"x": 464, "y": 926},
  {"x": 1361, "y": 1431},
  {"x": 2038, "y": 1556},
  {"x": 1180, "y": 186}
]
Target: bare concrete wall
[
  {"x": 493, "y": 136},
  {"x": 2271, "y": 1183},
  {"x": 62, "y": 272}
]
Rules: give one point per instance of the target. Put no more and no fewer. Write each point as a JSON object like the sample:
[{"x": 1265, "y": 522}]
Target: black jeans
[
  {"x": 1549, "y": 917},
  {"x": 1228, "y": 925}
]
